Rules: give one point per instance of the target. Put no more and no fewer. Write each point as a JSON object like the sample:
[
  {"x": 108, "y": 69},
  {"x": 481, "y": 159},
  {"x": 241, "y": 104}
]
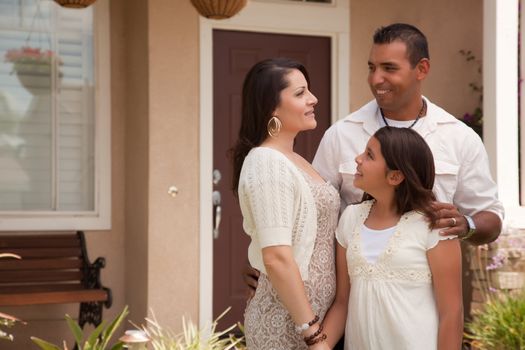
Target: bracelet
[
  {"x": 471, "y": 226},
  {"x": 317, "y": 340},
  {"x": 467, "y": 236},
  {"x": 301, "y": 328},
  {"x": 312, "y": 336}
]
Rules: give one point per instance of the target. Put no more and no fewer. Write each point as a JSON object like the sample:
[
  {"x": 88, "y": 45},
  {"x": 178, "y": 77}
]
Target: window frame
[{"x": 100, "y": 217}]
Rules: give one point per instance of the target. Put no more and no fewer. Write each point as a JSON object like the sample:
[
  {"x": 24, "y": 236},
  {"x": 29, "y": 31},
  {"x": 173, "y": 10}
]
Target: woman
[{"x": 289, "y": 212}]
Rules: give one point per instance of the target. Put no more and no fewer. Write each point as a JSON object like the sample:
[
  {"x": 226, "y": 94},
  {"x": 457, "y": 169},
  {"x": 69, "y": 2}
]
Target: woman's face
[{"x": 296, "y": 108}]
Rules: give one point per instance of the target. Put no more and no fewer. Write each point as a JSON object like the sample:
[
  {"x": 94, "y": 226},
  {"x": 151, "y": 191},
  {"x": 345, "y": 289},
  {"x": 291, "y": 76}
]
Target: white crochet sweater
[{"x": 277, "y": 206}]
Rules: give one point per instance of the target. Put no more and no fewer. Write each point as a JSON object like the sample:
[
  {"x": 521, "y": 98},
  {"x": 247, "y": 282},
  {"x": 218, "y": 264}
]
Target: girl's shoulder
[{"x": 356, "y": 212}]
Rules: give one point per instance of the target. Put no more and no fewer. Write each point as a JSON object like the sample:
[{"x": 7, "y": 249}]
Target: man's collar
[{"x": 435, "y": 115}]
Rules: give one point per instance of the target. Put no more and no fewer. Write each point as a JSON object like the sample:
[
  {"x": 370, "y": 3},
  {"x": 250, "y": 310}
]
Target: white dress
[{"x": 392, "y": 304}]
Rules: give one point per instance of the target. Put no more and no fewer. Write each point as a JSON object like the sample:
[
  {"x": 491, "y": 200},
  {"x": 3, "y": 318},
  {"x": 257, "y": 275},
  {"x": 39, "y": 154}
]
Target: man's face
[{"x": 393, "y": 81}]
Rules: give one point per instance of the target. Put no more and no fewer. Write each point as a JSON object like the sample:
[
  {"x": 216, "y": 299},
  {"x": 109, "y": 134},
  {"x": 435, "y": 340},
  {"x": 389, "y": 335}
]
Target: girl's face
[
  {"x": 372, "y": 172},
  {"x": 296, "y": 108}
]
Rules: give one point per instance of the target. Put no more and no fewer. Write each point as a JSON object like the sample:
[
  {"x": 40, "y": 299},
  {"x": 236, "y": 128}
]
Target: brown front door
[{"x": 234, "y": 53}]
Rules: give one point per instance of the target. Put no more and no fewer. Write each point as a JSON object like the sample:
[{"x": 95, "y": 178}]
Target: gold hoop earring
[{"x": 274, "y": 126}]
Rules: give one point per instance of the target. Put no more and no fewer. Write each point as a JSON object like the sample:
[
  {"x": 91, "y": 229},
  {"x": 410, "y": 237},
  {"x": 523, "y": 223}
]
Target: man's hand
[
  {"x": 251, "y": 278},
  {"x": 449, "y": 220}
]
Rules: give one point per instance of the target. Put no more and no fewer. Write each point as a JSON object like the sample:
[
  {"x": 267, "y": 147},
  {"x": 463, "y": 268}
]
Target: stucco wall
[
  {"x": 173, "y": 253},
  {"x": 449, "y": 25}
]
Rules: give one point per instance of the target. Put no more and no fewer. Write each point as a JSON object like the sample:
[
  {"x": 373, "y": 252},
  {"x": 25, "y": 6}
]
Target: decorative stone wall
[{"x": 498, "y": 266}]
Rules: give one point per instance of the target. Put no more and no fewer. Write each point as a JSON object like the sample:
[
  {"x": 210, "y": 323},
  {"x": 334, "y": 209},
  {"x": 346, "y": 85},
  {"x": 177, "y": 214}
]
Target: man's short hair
[{"x": 414, "y": 39}]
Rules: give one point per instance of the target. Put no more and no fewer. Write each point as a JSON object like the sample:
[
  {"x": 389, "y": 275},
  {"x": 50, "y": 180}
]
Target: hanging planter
[
  {"x": 75, "y": 4},
  {"x": 33, "y": 67},
  {"x": 218, "y": 9}
]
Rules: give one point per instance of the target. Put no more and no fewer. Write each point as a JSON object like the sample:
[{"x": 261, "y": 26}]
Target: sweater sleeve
[{"x": 268, "y": 192}]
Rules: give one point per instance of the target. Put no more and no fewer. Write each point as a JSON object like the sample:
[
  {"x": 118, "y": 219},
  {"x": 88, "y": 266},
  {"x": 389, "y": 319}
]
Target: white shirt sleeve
[
  {"x": 267, "y": 198},
  {"x": 326, "y": 160},
  {"x": 476, "y": 191}
]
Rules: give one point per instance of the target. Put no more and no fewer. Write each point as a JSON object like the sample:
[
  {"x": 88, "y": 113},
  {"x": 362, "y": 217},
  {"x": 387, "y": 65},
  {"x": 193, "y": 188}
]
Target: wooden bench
[{"x": 54, "y": 269}]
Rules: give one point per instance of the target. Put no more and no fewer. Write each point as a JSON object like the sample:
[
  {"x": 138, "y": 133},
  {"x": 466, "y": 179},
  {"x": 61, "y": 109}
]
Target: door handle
[{"x": 216, "y": 198}]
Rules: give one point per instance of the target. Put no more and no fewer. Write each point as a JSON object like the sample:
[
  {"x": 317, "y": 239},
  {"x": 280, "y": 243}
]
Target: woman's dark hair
[
  {"x": 414, "y": 39},
  {"x": 405, "y": 150},
  {"x": 261, "y": 95}
]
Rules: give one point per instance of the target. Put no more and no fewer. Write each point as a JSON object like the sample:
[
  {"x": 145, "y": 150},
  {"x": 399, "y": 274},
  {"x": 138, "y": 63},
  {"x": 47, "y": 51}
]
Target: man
[{"x": 398, "y": 64}]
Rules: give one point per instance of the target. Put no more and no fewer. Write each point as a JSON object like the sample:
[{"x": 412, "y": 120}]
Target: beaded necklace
[{"x": 419, "y": 115}]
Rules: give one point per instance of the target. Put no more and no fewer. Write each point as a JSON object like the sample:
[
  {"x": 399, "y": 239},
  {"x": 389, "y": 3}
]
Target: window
[{"x": 50, "y": 156}]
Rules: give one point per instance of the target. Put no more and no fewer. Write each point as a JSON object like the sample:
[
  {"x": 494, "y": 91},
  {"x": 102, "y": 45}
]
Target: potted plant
[
  {"x": 160, "y": 338},
  {"x": 96, "y": 340},
  {"x": 30, "y": 63}
]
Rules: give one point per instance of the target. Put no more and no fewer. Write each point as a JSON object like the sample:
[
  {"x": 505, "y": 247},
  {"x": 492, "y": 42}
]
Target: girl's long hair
[
  {"x": 261, "y": 93},
  {"x": 405, "y": 150}
]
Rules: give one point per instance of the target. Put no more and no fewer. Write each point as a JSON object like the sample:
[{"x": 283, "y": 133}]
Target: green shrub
[{"x": 500, "y": 324}]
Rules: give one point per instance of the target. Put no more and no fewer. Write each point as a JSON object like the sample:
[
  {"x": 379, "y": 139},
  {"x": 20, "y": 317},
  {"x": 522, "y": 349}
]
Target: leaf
[
  {"x": 118, "y": 346},
  {"x": 75, "y": 329},
  {"x": 92, "y": 341},
  {"x": 44, "y": 344},
  {"x": 108, "y": 332}
]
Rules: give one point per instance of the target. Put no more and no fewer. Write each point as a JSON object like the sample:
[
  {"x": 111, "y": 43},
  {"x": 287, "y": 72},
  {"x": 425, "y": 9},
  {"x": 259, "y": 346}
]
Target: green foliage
[
  {"x": 97, "y": 340},
  {"x": 500, "y": 324},
  {"x": 475, "y": 119}
]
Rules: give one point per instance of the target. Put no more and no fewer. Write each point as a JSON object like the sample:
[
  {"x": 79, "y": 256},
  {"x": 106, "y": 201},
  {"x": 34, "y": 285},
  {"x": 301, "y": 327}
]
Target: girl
[
  {"x": 289, "y": 212},
  {"x": 404, "y": 279}
]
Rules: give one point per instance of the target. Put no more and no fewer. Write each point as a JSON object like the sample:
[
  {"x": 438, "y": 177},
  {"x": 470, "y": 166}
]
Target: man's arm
[
  {"x": 251, "y": 278},
  {"x": 452, "y": 222},
  {"x": 476, "y": 195}
]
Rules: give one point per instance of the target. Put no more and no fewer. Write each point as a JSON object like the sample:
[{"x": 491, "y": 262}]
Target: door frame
[{"x": 312, "y": 19}]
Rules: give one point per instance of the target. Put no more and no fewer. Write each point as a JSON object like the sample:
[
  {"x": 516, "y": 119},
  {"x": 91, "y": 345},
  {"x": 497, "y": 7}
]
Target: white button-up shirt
[{"x": 462, "y": 168}]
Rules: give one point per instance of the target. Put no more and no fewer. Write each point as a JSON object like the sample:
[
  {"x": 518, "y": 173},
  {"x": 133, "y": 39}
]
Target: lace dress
[{"x": 268, "y": 325}]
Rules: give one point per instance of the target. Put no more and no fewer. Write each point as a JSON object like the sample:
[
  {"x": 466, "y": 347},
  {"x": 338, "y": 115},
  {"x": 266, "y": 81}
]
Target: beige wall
[
  {"x": 449, "y": 25},
  {"x": 173, "y": 261}
]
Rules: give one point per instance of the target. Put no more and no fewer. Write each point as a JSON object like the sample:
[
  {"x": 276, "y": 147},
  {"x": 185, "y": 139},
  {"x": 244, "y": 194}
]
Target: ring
[{"x": 454, "y": 222}]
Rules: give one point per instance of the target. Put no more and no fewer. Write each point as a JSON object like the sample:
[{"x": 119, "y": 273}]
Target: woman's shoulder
[
  {"x": 265, "y": 152},
  {"x": 264, "y": 164}
]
